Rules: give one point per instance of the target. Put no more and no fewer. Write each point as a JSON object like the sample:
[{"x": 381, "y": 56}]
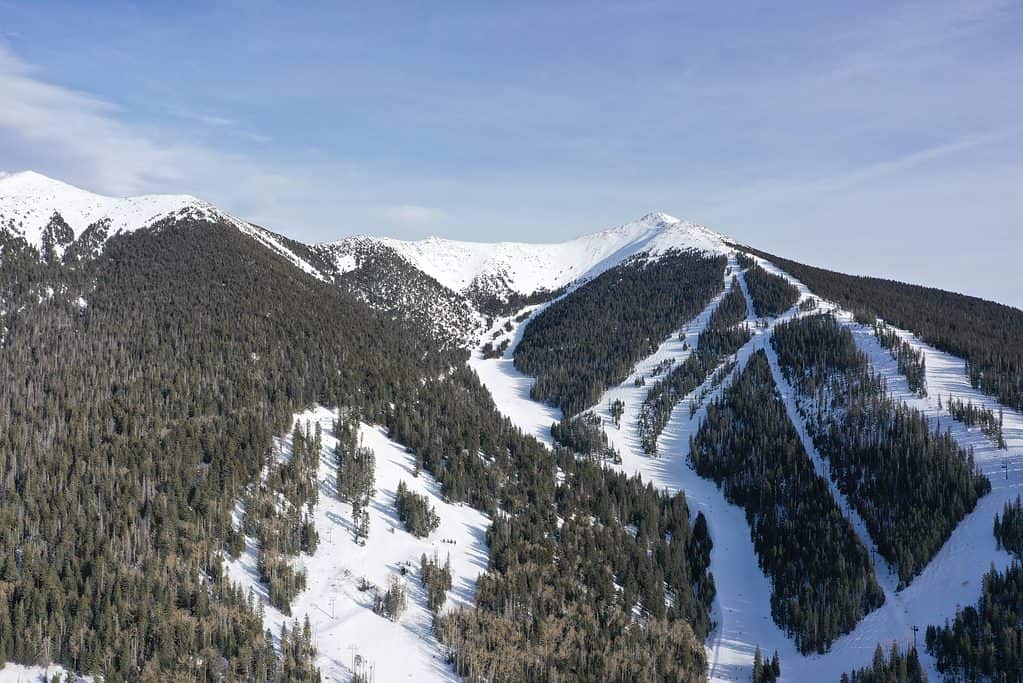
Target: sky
[{"x": 879, "y": 138}]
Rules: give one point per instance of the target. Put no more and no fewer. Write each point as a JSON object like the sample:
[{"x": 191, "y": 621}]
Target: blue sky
[{"x": 880, "y": 138}]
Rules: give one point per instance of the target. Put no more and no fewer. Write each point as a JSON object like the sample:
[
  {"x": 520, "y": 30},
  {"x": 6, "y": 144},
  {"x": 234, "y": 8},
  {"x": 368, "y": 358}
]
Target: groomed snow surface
[
  {"x": 343, "y": 622},
  {"x": 742, "y": 608}
]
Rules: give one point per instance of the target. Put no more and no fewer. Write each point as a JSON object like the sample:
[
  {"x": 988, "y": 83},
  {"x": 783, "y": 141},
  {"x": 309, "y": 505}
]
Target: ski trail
[
  {"x": 679, "y": 346},
  {"x": 887, "y": 577},
  {"x": 741, "y": 609},
  {"x": 953, "y": 577},
  {"x": 885, "y": 574}
]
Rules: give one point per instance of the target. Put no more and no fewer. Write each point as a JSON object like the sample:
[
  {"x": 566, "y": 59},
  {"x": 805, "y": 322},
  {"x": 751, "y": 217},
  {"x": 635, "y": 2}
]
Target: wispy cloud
[
  {"x": 80, "y": 139},
  {"x": 412, "y": 215}
]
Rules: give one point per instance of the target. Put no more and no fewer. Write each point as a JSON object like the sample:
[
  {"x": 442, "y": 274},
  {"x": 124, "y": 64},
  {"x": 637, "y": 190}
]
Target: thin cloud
[{"x": 412, "y": 215}]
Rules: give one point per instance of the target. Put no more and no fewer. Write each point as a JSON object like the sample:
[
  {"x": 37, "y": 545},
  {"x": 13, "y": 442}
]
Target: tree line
[
  {"x": 984, "y": 641},
  {"x": 911, "y": 482},
  {"x": 822, "y": 579},
  {"x": 722, "y": 337},
  {"x": 984, "y": 333},
  {"x": 131, "y": 426},
  {"x": 772, "y": 294},
  {"x": 912, "y": 363},
  {"x": 590, "y": 339}
]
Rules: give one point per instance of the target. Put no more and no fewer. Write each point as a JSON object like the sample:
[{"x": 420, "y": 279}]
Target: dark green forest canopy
[
  {"x": 910, "y": 481},
  {"x": 590, "y": 339},
  {"x": 987, "y": 334},
  {"x": 723, "y": 336},
  {"x": 771, "y": 294},
  {"x": 129, "y": 428},
  {"x": 821, "y": 576}
]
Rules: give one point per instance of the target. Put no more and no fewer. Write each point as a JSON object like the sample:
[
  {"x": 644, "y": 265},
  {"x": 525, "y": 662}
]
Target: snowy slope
[
  {"x": 342, "y": 617},
  {"x": 19, "y": 673},
  {"x": 742, "y": 608},
  {"x": 29, "y": 200},
  {"x": 526, "y": 268}
]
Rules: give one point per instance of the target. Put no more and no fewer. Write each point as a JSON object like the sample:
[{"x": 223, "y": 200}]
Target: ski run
[{"x": 742, "y": 607}]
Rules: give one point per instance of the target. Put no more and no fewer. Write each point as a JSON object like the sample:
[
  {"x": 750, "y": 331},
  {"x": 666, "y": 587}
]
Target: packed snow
[
  {"x": 342, "y": 618},
  {"x": 508, "y": 386}
]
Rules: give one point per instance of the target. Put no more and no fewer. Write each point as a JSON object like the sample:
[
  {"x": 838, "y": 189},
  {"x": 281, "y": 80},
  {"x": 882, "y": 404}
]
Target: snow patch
[
  {"x": 342, "y": 617},
  {"x": 19, "y": 673}
]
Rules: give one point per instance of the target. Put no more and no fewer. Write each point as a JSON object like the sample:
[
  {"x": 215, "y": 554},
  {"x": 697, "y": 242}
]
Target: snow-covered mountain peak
[
  {"x": 29, "y": 200},
  {"x": 528, "y": 267}
]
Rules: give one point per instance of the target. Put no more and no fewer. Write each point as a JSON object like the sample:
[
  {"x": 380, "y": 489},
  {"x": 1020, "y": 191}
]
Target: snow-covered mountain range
[
  {"x": 487, "y": 298},
  {"x": 525, "y": 268},
  {"x": 454, "y": 286},
  {"x": 29, "y": 200}
]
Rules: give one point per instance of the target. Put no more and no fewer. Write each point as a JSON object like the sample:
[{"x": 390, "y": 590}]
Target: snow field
[
  {"x": 28, "y": 200},
  {"x": 343, "y": 622},
  {"x": 526, "y": 268}
]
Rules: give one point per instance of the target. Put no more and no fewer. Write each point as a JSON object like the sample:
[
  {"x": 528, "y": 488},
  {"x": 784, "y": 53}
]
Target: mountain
[
  {"x": 642, "y": 454},
  {"x": 447, "y": 286},
  {"x": 51, "y": 215},
  {"x": 517, "y": 268},
  {"x": 467, "y": 282}
]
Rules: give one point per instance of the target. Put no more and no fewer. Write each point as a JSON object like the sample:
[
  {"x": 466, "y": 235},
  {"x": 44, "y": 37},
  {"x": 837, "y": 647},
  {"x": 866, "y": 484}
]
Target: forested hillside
[
  {"x": 590, "y": 339},
  {"x": 771, "y": 294},
  {"x": 551, "y": 581},
  {"x": 985, "y": 333},
  {"x": 911, "y": 482},
  {"x": 821, "y": 575},
  {"x": 387, "y": 282},
  {"x": 722, "y": 337},
  {"x": 984, "y": 641},
  {"x": 131, "y": 420}
]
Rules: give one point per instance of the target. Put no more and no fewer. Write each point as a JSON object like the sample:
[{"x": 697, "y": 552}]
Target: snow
[
  {"x": 953, "y": 577},
  {"x": 342, "y": 617},
  {"x": 626, "y": 438},
  {"x": 742, "y": 607},
  {"x": 19, "y": 673},
  {"x": 28, "y": 200},
  {"x": 526, "y": 268},
  {"x": 271, "y": 242},
  {"x": 509, "y": 387}
]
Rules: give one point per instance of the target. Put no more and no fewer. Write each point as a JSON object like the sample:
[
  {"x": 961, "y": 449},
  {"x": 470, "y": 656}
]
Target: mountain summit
[
  {"x": 524, "y": 268},
  {"x": 450, "y": 286},
  {"x": 29, "y": 200}
]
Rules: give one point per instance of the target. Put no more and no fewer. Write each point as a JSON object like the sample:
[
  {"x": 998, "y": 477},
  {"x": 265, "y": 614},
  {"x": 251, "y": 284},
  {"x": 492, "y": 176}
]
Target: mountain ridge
[{"x": 451, "y": 286}]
